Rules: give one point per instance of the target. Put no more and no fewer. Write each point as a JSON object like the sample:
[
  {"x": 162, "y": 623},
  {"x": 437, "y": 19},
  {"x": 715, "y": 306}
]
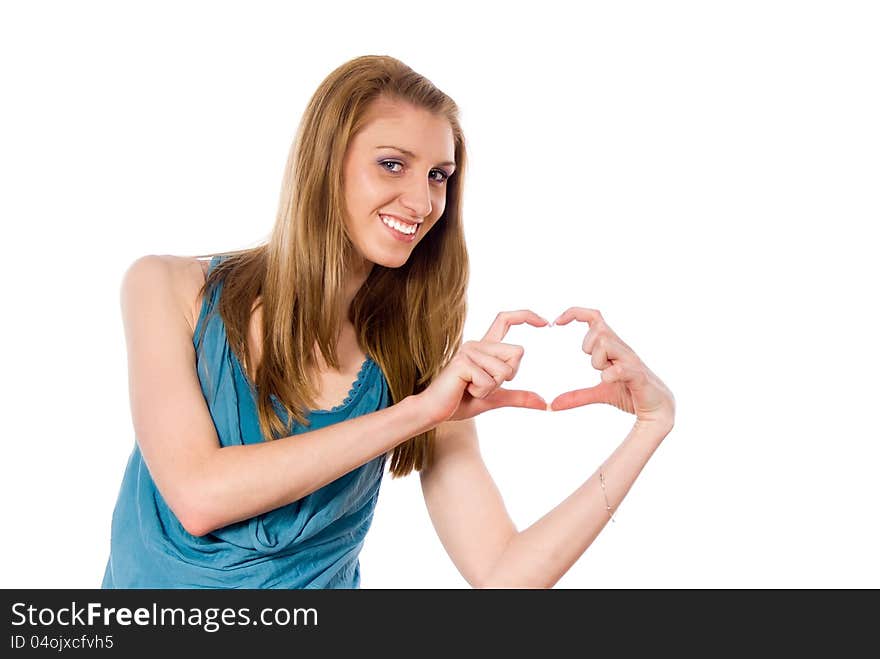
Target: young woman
[{"x": 269, "y": 385}]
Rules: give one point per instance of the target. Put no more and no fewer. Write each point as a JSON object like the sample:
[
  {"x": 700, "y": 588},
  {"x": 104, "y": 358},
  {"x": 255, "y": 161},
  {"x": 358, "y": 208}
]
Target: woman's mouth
[{"x": 402, "y": 231}]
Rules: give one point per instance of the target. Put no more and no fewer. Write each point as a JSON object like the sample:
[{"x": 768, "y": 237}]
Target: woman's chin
[
  {"x": 392, "y": 262},
  {"x": 389, "y": 260}
]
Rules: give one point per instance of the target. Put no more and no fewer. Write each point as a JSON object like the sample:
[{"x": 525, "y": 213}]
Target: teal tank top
[{"x": 311, "y": 543}]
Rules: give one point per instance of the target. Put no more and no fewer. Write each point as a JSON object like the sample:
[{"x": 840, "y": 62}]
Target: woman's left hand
[{"x": 626, "y": 383}]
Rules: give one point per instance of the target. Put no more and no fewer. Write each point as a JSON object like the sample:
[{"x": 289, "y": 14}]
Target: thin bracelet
[{"x": 605, "y": 494}]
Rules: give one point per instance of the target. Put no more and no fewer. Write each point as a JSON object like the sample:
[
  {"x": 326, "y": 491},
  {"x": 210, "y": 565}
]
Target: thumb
[
  {"x": 502, "y": 397},
  {"x": 579, "y": 397}
]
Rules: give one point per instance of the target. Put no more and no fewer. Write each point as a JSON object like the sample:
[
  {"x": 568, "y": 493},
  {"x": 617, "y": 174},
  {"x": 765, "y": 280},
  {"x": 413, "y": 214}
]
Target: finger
[
  {"x": 515, "y": 398},
  {"x": 598, "y": 326},
  {"x": 633, "y": 378},
  {"x": 614, "y": 348},
  {"x": 505, "y": 319},
  {"x": 579, "y": 397},
  {"x": 599, "y": 358},
  {"x": 481, "y": 383},
  {"x": 582, "y": 314},
  {"x": 498, "y": 369},
  {"x": 601, "y": 329},
  {"x": 507, "y": 352},
  {"x": 590, "y": 339}
]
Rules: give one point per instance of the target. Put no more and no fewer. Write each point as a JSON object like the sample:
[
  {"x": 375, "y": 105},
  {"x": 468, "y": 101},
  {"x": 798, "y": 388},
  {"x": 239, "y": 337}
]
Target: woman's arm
[
  {"x": 208, "y": 486},
  {"x": 466, "y": 507},
  {"x": 242, "y": 481},
  {"x": 539, "y": 556},
  {"x": 472, "y": 522}
]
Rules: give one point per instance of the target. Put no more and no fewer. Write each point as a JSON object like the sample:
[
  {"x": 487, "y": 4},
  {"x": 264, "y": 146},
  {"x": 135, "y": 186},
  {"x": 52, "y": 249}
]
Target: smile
[{"x": 402, "y": 231}]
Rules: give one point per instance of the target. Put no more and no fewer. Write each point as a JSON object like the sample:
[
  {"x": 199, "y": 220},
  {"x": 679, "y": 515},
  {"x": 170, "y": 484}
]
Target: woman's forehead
[{"x": 413, "y": 131}]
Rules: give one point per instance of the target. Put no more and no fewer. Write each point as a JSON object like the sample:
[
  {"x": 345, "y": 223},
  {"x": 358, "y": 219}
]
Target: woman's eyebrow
[{"x": 410, "y": 153}]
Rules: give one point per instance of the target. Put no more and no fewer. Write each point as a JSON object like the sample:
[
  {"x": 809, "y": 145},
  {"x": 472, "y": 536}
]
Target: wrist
[
  {"x": 656, "y": 429},
  {"x": 419, "y": 413}
]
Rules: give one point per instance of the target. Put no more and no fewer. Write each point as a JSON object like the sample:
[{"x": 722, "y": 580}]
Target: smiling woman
[{"x": 270, "y": 385}]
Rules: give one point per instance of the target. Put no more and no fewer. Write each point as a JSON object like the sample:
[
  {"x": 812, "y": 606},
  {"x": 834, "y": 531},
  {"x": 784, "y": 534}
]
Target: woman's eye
[
  {"x": 390, "y": 162},
  {"x": 443, "y": 176}
]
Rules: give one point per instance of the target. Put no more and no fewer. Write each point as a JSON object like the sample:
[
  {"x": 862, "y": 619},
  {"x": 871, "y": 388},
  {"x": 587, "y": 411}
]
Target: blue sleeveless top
[{"x": 311, "y": 543}]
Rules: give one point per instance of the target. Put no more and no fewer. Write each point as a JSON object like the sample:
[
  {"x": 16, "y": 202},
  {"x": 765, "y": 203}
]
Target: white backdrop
[{"x": 705, "y": 174}]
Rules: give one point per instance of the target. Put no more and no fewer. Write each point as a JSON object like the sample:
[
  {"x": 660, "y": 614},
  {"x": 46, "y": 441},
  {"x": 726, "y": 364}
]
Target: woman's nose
[{"x": 416, "y": 196}]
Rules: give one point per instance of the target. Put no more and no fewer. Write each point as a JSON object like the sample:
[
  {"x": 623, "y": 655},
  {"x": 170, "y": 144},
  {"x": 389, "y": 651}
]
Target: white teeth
[{"x": 399, "y": 226}]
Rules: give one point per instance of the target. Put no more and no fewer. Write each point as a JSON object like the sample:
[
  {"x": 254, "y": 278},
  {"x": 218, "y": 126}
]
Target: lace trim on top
[{"x": 353, "y": 394}]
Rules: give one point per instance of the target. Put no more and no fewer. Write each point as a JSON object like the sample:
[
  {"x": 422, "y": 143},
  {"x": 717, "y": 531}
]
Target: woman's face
[{"x": 395, "y": 175}]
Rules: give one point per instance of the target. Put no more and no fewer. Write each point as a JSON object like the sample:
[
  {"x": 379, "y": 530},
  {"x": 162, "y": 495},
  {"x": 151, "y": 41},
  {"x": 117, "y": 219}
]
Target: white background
[{"x": 704, "y": 173}]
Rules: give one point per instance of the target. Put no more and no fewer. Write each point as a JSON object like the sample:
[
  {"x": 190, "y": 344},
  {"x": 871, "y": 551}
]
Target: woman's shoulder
[
  {"x": 190, "y": 275},
  {"x": 186, "y": 276}
]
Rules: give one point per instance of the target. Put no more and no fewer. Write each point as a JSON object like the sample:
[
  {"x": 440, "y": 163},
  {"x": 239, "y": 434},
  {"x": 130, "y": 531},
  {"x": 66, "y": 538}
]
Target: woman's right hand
[{"x": 471, "y": 382}]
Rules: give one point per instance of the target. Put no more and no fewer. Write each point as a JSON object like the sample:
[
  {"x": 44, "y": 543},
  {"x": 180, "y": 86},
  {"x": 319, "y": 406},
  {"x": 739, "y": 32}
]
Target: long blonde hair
[{"x": 409, "y": 320}]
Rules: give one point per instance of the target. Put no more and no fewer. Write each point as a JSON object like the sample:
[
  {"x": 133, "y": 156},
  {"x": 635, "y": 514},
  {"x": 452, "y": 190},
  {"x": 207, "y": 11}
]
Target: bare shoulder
[{"x": 180, "y": 276}]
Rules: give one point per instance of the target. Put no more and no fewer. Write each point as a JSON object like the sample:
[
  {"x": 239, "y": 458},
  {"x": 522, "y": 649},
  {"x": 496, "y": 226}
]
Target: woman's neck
[{"x": 355, "y": 277}]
